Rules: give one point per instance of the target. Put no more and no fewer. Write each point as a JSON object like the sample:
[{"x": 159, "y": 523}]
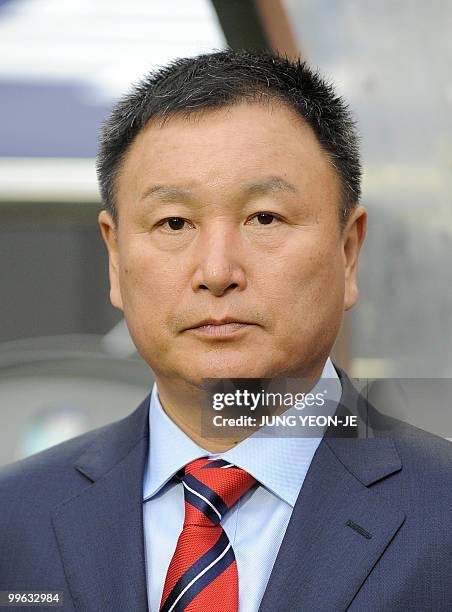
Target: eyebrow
[
  {"x": 271, "y": 184},
  {"x": 168, "y": 193}
]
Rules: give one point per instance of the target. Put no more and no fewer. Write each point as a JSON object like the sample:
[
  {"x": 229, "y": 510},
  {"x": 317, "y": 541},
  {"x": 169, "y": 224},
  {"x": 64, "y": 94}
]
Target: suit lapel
[
  {"x": 100, "y": 531},
  {"x": 339, "y": 527}
]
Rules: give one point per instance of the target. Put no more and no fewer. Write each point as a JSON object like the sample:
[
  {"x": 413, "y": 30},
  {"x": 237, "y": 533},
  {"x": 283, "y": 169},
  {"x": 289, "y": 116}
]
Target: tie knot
[{"x": 211, "y": 488}]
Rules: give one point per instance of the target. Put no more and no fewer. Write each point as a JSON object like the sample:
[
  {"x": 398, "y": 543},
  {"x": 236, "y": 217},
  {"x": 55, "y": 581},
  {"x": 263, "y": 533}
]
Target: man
[{"x": 231, "y": 187}]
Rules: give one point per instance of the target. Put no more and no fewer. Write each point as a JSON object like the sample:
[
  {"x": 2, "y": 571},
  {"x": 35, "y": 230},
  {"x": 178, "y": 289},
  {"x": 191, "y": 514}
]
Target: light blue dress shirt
[{"x": 255, "y": 525}]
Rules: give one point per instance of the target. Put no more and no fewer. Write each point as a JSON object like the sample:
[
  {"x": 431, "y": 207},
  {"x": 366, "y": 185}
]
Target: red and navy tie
[{"x": 202, "y": 575}]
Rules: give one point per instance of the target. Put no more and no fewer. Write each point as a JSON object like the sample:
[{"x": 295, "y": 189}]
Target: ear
[
  {"x": 110, "y": 236},
  {"x": 352, "y": 238}
]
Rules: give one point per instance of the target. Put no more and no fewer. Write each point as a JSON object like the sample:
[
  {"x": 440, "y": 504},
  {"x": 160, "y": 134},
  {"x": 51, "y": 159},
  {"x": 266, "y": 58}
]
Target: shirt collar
[{"x": 278, "y": 463}]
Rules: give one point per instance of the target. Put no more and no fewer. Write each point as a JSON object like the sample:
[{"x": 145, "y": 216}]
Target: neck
[{"x": 184, "y": 403}]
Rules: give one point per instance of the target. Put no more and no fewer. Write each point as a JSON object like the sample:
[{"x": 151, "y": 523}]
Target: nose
[{"x": 219, "y": 268}]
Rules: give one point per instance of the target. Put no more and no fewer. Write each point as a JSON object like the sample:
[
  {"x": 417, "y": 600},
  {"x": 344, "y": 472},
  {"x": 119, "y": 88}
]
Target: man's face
[{"x": 231, "y": 214}]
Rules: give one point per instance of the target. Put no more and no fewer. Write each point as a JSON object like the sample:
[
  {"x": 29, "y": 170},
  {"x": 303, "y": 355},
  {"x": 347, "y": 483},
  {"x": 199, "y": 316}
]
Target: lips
[
  {"x": 225, "y": 330},
  {"x": 225, "y": 321}
]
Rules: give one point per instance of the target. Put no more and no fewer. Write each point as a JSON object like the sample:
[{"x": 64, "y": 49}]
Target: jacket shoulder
[
  {"x": 43, "y": 473},
  {"x": 429, "y": 451},
  {"x": 50, "y": 476}
]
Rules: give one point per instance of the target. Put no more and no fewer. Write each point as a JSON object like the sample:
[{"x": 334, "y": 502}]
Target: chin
[{"x": 234, "y": 369}]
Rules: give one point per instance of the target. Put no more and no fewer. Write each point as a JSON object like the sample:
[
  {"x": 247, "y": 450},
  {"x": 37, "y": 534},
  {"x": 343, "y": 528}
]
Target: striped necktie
[{"x": 202, "y": 575}]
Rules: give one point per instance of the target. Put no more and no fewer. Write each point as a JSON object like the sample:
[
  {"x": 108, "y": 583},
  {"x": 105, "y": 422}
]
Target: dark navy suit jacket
[{"x": 371, "y": 530}]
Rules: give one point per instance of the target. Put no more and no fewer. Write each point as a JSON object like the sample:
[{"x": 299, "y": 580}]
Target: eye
[
  {"x": 172, "y": 223},
  {"x": 265, "y": 218}
]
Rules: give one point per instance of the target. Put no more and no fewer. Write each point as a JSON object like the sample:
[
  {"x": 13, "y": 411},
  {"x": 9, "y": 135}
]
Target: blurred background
[{"x": 67, "y": 363}]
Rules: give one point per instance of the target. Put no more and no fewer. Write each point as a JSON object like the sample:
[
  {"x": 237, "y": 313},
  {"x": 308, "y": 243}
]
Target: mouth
[{"x": 219, "y": 327}]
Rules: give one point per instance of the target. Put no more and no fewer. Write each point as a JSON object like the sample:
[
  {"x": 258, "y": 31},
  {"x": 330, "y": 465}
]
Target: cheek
[
  {"x": 310, "y": 285},
  {"x": 148, "y": 287}
]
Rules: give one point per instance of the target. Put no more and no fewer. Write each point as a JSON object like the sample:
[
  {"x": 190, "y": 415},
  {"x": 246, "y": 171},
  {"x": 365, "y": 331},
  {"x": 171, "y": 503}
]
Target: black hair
[{"x": 222, "y": 79}]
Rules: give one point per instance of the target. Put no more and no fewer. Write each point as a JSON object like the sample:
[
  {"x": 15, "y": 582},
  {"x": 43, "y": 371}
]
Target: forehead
[{"x": 222, "y": 148}]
